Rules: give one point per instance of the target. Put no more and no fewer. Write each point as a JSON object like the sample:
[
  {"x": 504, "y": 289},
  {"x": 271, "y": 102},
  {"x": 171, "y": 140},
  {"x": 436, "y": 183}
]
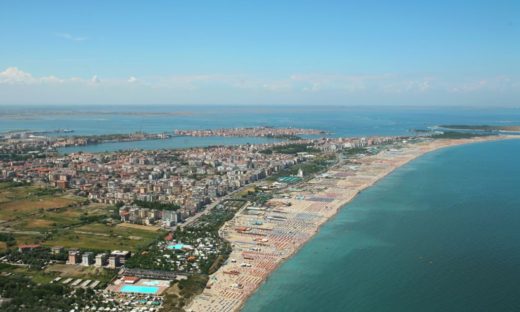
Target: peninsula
[
  {"x": 270, "y": 132},
  {"x": 199, "y": 228},
  {"x": 263, "y": 237},
  {"x": 25, "y": 144},
  {"x": 487, "y": 128}
]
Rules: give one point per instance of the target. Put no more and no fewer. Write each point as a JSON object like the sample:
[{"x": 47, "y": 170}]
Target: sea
[
  {"x": 337, "y": 120},
  {"x": 441, "y": 233}
]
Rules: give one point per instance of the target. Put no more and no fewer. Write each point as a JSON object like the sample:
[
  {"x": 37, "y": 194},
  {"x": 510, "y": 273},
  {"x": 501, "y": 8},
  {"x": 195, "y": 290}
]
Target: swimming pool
[
  {"x": 176, "y": 247},
  {"x": 139, "y": 289}
]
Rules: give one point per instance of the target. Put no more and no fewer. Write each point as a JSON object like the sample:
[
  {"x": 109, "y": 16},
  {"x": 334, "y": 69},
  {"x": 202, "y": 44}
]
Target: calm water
[
  {"x": 343, "y": 121},
  {"x": 172, "y": 143},
  {"x": 439, "y": 234}
]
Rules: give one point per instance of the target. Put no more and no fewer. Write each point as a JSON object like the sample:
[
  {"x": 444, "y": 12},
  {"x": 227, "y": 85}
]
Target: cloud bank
[{"x": 21, "y": 87}]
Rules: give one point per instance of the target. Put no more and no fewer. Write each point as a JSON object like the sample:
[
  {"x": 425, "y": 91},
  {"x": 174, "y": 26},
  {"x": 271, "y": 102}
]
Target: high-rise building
[
  {"x": 86, "y": 259},
  {"x": 113, "y": 262},
  {"x": 74, "y": 257},
  {"x": 122, "y": 255},
  {"x": 101, "y": 260}
]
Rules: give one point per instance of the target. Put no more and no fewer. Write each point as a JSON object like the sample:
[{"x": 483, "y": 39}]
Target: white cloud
[
  {"x": 339, "y": 82},
  {"x": 13, "y": 75},
  {"x": 95, "y": 79},
  {"x": 278, "y": 85},
  {"x": 239, "y": 88},
  {"x": 70, "y": 37},
  {"x": 50, "y": 79},
  {"x": 494, "y": 84}
]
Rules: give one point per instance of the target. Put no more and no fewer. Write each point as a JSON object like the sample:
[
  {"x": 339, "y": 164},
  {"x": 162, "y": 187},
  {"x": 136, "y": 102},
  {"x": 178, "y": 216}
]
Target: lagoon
[{"x": 171, "y": 143}]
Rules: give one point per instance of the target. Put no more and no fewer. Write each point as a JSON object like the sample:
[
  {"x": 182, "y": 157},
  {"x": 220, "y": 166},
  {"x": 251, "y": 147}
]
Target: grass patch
[
  {"x": 77, "y": 271},
  {"x": 38, "y": 224},
  {"x": 98, "y": 236},
  {"x": 244, "y": 192},
  {"x": 59, "y": 218},
  {"x": 117, "y": 230},
  {"x": 37, "y": 276},
  {"x": 22, "y": 239},
  {"x": 27, "y": 199},
  {"x": 148, "y": 228}
]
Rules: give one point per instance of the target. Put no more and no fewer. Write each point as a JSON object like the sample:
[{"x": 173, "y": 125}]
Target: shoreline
[{"x": 230, "y": 287}]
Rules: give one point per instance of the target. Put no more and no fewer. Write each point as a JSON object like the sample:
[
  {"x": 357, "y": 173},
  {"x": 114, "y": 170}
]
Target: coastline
[{"x": 318, "y": 201}]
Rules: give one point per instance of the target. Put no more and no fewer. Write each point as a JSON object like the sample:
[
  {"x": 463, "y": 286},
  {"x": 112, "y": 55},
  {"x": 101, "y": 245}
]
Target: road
[{"x": 208, "y": 208}]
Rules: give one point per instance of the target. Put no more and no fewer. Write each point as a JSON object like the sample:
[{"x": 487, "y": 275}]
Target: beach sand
[{"x": 263, "y": 238}]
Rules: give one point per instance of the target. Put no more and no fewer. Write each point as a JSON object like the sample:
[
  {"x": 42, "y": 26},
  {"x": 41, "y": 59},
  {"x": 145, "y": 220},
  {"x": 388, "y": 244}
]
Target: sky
[{"x": 322, "y": 52}]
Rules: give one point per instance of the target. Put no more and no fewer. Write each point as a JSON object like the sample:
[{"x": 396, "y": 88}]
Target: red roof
[
  {"x": 29, "y": 246},
  {"x": 130, "y": 278}
]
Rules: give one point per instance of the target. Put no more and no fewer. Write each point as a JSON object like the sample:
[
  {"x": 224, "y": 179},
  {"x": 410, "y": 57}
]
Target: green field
[
  {"x": 52, "y": 271},
  {"x": 20, "y": 202},
  {"x": 103, "y": 237},
  {"x": 100, "y": 236},
  {"x": 53, "y": 218},
  {"x": 93, "y": 273}
]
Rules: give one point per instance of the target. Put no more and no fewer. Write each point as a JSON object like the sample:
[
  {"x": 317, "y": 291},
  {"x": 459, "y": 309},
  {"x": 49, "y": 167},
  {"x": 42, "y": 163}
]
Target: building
[
  {"x": 130, "y": 279},
  {"x": 113, "y": 262},
  {"x": 170, "y": 218},
  {"x": 101, "y": 260},
  {"x": 56, "y": 250},
  {"x": 122, "y": 255},
  {"x": 74, "y": 257},
  {"x": 87, "y": 259},
  {"x": 147, "y": 216},
  {"x": 26, "y": 248}
]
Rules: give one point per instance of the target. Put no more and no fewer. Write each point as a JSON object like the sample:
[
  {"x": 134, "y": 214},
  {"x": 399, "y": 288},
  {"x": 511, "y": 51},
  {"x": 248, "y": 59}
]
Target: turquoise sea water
[{"x": 441, "y": 233}]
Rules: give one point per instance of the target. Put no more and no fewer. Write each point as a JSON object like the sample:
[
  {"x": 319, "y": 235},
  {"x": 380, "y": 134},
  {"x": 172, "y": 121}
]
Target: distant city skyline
[{"x": 260, "y": 53}]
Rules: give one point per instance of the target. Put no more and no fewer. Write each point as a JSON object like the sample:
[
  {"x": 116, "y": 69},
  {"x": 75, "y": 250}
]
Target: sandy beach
[{"x": 263, "y": 237}]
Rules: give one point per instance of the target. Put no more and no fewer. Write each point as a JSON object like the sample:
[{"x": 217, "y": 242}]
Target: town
[
  {"x": 253, "y": 156},
  {"x": 143, "y": 227},
  {"x": 25, "y": 144},
  {"x": 253, "y": 132}
]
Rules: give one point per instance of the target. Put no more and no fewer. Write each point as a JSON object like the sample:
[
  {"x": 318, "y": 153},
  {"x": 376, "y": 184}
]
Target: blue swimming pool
[
  {"x": 176, "y": 247},
  {"x": 139, "y": 289}
]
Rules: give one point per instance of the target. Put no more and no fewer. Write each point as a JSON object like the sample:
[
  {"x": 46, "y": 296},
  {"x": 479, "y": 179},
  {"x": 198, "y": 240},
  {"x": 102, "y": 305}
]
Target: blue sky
[{"x": 260, "y": 52}]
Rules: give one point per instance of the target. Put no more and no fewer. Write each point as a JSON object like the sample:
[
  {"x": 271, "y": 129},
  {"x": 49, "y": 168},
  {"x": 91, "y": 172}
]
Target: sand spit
[{"x": 263, "y": 237}]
